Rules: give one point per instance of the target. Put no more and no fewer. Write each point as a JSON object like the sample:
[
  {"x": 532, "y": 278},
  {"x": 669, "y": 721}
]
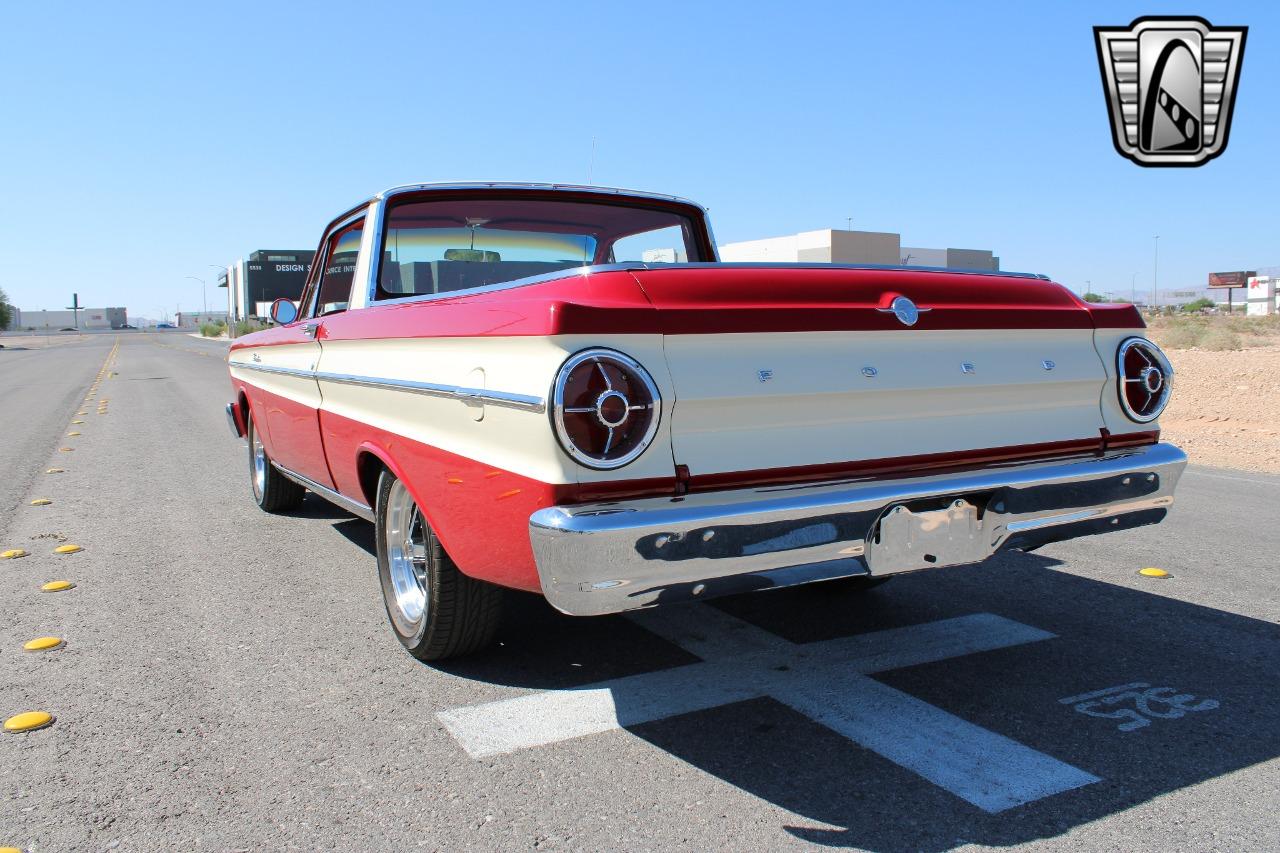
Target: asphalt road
[{"x": 229, "y": 683}]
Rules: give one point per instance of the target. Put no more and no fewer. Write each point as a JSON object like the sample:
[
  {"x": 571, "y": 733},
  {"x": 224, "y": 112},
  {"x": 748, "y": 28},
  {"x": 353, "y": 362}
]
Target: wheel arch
[{"x": 371, "y": 460}]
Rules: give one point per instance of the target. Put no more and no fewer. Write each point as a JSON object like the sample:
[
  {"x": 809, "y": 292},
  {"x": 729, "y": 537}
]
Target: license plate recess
[{"x": 904, "y": 540}]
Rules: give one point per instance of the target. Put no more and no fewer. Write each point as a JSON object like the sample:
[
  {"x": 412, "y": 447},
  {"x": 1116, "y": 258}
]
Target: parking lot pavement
[{"x": 228, "y": 681}]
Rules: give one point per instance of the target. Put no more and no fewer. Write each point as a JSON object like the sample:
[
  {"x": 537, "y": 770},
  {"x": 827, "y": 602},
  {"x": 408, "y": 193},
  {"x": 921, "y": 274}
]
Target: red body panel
[
  {"x": 1115, "y": 316},
  {"x": 721, "y": 300},
  {"x": 480, "y": 514},
  {"x": 764, "y": 299},
  {"x": 292, "y": 428}
]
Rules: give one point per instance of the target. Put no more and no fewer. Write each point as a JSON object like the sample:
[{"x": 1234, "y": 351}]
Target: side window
[{"x": 340, "y": 252}]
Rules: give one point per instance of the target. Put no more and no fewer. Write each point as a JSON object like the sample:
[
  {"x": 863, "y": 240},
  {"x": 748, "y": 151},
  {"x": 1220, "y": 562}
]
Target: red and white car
[{"x": 559, "y": 389}]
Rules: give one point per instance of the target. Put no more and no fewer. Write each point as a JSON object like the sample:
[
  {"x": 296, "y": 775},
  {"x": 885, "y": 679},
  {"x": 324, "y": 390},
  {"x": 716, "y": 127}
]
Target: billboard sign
[{"x": 1230, "y": 279}]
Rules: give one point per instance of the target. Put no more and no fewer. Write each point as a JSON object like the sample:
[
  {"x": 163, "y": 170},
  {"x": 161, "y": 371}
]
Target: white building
[
  {"x": 90, "y": 318},
  {"x": 834, "y": 246}
]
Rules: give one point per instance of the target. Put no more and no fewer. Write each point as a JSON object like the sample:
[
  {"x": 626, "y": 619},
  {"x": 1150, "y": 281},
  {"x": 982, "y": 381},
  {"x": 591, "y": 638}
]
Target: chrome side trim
[
  {"x": 269, "y": 368},
  {"x": 621, "y": 555},
  {"x": 336, "y": 498},
  {"x": 505, "y": 399}
]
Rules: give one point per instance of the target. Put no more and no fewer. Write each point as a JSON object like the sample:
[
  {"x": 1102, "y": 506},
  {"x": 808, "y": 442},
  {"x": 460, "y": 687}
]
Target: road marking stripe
[
  {"x": 988, "y": 770},
  {"x": 826, "y": 681},
  {"x": 544, "y": 718}
]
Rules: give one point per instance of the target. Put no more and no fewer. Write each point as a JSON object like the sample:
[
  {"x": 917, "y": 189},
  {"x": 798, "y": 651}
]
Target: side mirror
[{"x": 283, "y": 312}]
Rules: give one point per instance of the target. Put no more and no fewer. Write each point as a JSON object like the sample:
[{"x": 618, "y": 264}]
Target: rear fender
[{"x": 427, "y": 501}]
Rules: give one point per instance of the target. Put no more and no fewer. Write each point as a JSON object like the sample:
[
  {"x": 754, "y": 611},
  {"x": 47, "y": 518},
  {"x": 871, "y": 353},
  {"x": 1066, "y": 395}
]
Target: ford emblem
[{"x": 905, "y": 310}]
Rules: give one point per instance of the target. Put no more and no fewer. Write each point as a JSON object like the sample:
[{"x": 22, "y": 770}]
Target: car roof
[{"x": 521, "y": 185}]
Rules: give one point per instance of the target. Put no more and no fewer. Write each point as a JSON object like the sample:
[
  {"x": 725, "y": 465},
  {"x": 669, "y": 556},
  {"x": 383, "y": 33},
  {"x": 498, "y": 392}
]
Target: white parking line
[{"x": 827, "y": 681}]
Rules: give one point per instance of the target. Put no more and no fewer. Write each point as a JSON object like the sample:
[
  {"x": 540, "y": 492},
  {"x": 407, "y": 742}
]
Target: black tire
[
  {"x": 272, "y": 491},
  {"x": 456, "y": 615}
]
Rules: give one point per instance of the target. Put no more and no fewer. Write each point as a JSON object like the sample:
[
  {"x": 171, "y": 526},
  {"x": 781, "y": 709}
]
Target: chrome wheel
[
  {"x": 404, "y": 538},
  {"x": 258, "y": 457}
]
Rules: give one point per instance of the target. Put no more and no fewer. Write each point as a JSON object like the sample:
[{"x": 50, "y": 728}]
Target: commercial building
[
  {"x": 267, "y": 275},
  {"x": 89, "y": 318},
  {"x": 834, "y": 246},
  {"x": 197, "y": 318}
]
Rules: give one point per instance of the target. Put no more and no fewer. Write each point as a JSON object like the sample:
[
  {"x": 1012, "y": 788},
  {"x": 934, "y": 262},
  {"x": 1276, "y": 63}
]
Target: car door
[{"x": 288, "y": 363}]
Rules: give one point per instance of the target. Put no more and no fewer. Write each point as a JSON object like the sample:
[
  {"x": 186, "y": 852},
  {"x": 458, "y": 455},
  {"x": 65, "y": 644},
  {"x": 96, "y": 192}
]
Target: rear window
[{"x": 453, "y": 245}]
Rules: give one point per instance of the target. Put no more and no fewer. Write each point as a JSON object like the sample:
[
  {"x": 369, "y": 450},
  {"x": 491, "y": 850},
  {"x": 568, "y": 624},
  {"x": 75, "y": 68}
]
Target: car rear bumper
[{"x": 622, "y": 555}]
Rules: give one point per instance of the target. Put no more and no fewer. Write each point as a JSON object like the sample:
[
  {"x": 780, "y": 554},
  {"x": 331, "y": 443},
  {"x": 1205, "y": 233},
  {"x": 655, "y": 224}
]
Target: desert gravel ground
[
  {"x": 1225, "y": 409},
  {"x": 229, "y": 682}
]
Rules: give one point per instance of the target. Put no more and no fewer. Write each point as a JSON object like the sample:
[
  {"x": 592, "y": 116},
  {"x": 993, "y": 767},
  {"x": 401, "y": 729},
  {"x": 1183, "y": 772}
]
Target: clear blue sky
[{"x": 142, "y": 144}]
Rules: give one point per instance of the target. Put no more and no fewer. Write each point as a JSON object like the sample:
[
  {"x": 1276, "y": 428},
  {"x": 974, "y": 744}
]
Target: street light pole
[
  {"x": 203, "y": 296},
  {"x": 1133, "y": 289},
  {"x": 1155, "y": 275}
]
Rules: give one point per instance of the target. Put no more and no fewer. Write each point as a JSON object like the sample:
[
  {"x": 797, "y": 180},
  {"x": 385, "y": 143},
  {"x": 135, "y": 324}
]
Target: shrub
[
  {"x": 1220, "y": 338},
  {"x": 212, "y": 330},
  {"x": 1178, "y": 333},
  {"x": 1093, "y": 297},
  {"x": 1198, "y": 305},
  {"x": 245, "y": 327}
]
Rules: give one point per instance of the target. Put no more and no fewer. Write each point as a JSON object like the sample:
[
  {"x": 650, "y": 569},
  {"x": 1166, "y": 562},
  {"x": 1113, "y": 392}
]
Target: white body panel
[
  {"x": 301, "y": 356},
  {"x": 516, "y": 440},
  {"x": 818, "y": 407}
]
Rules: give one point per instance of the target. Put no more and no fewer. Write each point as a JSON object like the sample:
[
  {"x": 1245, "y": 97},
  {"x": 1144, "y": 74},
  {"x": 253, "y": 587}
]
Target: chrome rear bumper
[{"x": 610, "y": 557}]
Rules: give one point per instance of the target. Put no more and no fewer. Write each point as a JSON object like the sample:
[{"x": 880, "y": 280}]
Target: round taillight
[
  {"x": 605, "y": 408},
  {"x": 1145, "y": 379}
]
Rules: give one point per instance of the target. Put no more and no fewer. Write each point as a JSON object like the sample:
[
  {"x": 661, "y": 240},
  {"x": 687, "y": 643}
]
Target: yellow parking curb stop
[
  {"x": 74, "y": 423},
  {"x": 57, "y": 586},
  {"x": 43, "y": 644},
  {"x": 28, "y": 721},
  {"x": 12, "y": 554},
  {"x": 73, "y": 433},
  {"x": 67, "y": 549},
  {"x": 65, "y": 449},
  {"x": 55, "y": 470},
  {"x": 1154, "y": 573},
  {"x": 41, "y": 502},
  {"x": 10, "y": 850}
]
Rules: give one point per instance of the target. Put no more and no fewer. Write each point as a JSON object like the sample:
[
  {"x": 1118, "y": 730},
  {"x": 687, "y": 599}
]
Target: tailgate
[{"x": 801, "y": 367}]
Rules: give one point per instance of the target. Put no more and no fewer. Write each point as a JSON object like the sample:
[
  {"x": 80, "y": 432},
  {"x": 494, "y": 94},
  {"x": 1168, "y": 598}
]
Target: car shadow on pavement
[
  {"x": 317, "y": 507},
  {"x": 1146, "y": 693}
]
